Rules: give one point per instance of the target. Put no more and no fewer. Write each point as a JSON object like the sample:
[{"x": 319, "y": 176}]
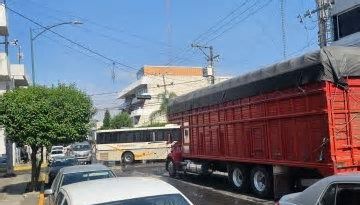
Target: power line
[
  {"x": 75, "y": 43},
  {"x": 221, "y": 20},
  {"x": 241, "y": 20}
]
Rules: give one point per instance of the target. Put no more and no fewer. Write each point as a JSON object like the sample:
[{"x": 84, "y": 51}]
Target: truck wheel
[
  {"x": 238, "y": 178},
  {"x": 128, "y": 157},
  {"x": 170, "y": 167},
  {"x": 261, "y": 181}
]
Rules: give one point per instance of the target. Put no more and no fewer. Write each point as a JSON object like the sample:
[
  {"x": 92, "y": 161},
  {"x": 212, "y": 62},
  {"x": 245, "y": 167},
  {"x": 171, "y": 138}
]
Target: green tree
[
  {"x": 40, "y": 116},
  {"x": 165, "y": 100},
  {"x": 106, "y": 120},
  {"x": 121, "y": 120}
]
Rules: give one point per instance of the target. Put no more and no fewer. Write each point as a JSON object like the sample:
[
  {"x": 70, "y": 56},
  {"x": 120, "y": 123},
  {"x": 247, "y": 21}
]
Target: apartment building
[{"x": 141, "y": 98}]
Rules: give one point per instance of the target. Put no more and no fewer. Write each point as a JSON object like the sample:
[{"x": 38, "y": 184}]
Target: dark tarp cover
[{"x": 331, "y": 63}]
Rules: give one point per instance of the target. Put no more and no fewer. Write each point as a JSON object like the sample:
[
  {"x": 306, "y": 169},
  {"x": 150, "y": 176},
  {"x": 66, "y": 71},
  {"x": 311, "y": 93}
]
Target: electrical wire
[
  {"x": 75, "y": 43},
  {"x": 241, "y": 20}
]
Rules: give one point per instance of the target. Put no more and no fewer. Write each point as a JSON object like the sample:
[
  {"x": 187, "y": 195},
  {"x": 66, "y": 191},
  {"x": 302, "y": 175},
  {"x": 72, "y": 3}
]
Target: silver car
[
  {"x": 82, "y": 151},
  {"x": 75, "y": 174},
  {"x": 340, "y": 189}
]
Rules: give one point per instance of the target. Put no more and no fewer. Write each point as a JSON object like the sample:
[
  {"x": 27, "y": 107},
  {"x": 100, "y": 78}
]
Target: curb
[
  {"x": 26, "y": 167},
  {"x": 41, "y": 200}
]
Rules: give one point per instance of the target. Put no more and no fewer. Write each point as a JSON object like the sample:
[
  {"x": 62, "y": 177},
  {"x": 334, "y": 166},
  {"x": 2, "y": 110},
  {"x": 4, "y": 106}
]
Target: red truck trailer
[{"x": 277, "y": 128}]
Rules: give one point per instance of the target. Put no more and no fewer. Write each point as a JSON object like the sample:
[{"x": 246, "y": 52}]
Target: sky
[{"x": 247, "y": 34}]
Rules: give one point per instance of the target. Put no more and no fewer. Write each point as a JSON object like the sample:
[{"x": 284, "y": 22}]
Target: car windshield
[
  {"x": 81, "y": 147},
  {"x": 64, "y": 162},
  {"x": 56, "y": 152},
  {"x": 86, "y": 176},
  {"x": 169, "y": 199}
]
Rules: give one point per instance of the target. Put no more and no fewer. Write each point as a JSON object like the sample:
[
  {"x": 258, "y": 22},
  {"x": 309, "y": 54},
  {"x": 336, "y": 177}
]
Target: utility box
[
  {"x": 3, "y": 21},
  {"x": 208, "y": 71}
]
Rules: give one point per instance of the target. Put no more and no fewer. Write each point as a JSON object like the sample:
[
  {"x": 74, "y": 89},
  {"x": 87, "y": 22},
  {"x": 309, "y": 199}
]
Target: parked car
[
  {"x": 58, "y": 163},
  {"x": 74, "y": 174},
  {"x": 124, "y": 190},
  {"x": 340, "y": 189},
  {"x": 54, "y": 154},
  {"x": 82, "y": 152},
  {"x": 57, "y": 147}
]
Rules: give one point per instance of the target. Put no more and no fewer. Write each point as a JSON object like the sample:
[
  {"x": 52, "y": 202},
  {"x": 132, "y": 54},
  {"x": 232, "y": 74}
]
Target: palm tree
[{"x": 165, "y": 100}]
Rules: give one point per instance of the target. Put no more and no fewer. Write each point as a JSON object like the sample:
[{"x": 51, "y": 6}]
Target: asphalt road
[{"x": 210, "y": 190}]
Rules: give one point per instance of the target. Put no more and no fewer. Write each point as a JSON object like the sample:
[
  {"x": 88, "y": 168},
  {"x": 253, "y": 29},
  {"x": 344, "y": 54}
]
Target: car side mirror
[{"x": 48, "y": 192}]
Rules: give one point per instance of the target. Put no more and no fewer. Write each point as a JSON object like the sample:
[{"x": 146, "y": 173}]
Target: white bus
[{"x": 130, "y": 144}]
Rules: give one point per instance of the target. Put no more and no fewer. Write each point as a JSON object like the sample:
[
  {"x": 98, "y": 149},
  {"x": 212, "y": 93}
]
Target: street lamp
[{"x": 32, "y": 38}]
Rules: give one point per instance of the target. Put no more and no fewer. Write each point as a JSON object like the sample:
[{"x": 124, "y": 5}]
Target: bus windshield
[{"x": 81, "y": 147}]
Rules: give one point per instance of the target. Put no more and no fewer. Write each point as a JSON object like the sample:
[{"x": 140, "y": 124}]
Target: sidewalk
[{"x": 13, "y": 191}]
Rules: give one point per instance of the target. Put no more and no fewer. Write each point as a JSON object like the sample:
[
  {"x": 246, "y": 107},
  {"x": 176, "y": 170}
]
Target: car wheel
[
  {"x": 170, "y": 167},
  {"x": 261, "y": 181},
  {"x": 238, "y": 177},
  {"x": 128, "y": 158}
]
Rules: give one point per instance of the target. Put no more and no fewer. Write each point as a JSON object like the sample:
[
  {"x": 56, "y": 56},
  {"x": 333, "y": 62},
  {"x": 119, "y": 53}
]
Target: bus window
[
  {"x": 122, "y": 137},
  {"x": 113, "y": 137},
  {"x": 137, "y": 137},
  {"x": 146, "y": 136},
  {"x": 130, "y": 137},
  {"x": 160, "y": 135},
  {"x": 107, "y": 138}
]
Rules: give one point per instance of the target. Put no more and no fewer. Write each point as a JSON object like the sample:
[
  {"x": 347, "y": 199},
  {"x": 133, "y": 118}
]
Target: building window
[{"x": 346, "y": 23}]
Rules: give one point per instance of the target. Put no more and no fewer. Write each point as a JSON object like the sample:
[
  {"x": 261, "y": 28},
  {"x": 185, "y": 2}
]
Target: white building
[
  {"x": 345, "y": 16},
  {"x": 141, "y": 98}
]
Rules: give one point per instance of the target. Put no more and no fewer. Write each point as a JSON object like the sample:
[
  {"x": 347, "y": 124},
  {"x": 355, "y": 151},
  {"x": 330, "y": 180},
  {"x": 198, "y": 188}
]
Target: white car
[
  {"x": 58, "y": 147},
  {"x": 340, "y": 189},
  {"x": 56, "y": 153},
  {"x": 121, "y": 191}
]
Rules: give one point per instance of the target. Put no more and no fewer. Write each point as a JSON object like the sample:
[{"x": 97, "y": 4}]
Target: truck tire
[
  {"x": 128, "y": 157},
  {"x": 170, "y": 167},
  {"x": 261, "y": 181},
  {"x": 238, "y": 177}
]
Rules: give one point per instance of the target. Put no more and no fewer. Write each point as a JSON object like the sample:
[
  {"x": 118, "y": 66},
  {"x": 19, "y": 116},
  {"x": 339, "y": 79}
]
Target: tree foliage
[
  {"x": 165, "y": 100},
  {"x": 40, "y": 116},
  {"x": 106, "y": 120},
  {"x": 121, "y": 120}
]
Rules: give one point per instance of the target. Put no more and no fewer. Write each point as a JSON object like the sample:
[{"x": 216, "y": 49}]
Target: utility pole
[
  {"x": 325, "y": 35},
  {"x": 210, "y": 59},
  {"x": 164, "y": 85}
]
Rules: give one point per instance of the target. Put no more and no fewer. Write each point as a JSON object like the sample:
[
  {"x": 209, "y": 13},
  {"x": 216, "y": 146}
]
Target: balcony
[
  {"x": 4, "y": 67},
  {"x": 19, "y": 75},
  {"x": 3, "y": 21},
  {"x": 140, "y": 112}
]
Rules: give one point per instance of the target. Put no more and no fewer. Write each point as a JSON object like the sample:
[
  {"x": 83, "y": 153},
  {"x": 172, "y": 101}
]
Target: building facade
[
  {"x": 345, "y": 15},
  {"x": 143, "y": 97}
]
